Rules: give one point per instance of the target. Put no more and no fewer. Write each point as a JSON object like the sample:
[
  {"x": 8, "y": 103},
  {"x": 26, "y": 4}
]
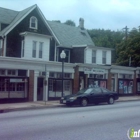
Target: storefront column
[
  {"x": 109, "y": 80},
  {"x": 45, "y": 93},
  {"x": 116, "y": 82},
  {"x": 36, "y": 73},
  {"x": 86, "y": 81},
  {"x": 31, "y": 85},
  {"x": 135, "y": 83},
  {"x": 76, "y": 79}
]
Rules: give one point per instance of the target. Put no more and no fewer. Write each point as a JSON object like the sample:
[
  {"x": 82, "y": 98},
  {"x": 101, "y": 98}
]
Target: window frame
[
  {"x": 35, "y": 22},
  {"x": 104, "y": 57},
  {"x": 34, "y": 49},
  {"x": 40, "y": 55},
  {"x": 94, "y": 56}
]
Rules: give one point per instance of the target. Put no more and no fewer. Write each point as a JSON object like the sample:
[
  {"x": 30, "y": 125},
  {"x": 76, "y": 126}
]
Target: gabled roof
[
  {"x": 7, "y": 15},
  {"x": 70, "y": 35},
  {"x": 65, "y": 35},
  {"x": 15, "y": 18}
]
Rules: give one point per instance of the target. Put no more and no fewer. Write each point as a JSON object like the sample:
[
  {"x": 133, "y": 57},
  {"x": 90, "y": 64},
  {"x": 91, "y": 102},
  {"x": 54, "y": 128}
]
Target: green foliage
[
  {"x": 129, "y": 48},
  {"x": 70, "y": 22}
]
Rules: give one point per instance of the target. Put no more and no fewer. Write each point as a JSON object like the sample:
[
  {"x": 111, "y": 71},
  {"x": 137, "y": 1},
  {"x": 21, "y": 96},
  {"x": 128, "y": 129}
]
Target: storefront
[
  {"x": 12, "y": 86},
  {"x": 55, "y": 85}
]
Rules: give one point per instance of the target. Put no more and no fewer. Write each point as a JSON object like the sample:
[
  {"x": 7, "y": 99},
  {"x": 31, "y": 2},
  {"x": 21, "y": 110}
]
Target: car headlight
[
  {"x": 73, "y": 98},
  {"x": 62, "y": 98}
]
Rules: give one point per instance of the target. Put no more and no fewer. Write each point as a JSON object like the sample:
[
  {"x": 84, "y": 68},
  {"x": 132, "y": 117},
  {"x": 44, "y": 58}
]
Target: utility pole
[{"x": 126, "y": 32}]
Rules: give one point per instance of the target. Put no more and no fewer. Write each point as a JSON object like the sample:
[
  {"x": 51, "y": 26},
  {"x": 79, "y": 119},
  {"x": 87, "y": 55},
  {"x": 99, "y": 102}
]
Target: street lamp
[{"x": 63, "y": 56}]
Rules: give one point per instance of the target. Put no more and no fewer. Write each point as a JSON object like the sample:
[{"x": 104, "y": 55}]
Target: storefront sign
[
  {"x": 94, "y": 71},
  {"x": 15, "y": 80}
]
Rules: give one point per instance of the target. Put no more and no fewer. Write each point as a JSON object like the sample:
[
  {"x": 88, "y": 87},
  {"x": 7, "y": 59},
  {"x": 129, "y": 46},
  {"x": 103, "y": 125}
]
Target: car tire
[
  {"x": 111, "y": 100},
  {"x": 84, "y": 102}
]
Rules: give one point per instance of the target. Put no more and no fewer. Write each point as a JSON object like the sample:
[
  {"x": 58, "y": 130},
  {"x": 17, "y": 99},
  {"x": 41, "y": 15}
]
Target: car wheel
[
  {"x": 84, "y": 102},
  {"x": 111, "y": 100}
]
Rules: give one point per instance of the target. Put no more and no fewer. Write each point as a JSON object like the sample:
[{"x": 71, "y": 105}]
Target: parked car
[{"x": 87, "y": 96}]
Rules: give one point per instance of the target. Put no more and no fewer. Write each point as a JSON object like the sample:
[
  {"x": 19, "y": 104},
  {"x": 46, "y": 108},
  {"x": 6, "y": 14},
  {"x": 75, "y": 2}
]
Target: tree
[
  {"x": 129, "y": 48},
  {"x": 70, "y": 22}
]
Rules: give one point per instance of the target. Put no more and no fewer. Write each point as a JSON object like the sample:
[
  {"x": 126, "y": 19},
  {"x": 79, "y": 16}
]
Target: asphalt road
[{"x": 101, "y": 122}]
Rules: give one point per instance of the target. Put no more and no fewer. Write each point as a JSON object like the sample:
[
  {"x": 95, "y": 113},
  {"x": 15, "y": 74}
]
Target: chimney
[{"x": 81, "y": 23}]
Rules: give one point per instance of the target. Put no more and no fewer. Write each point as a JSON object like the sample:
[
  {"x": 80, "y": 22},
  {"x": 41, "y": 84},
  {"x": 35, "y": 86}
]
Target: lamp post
[{"x": 62, "y": 56}]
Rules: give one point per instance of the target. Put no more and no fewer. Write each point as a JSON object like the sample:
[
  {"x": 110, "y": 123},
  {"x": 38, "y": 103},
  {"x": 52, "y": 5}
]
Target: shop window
[
  {"x": 33, "y": 23},
  {"x": 20, "y": 86},
  {"x": 50, "y": 85},
  {"x": 2, "y": 85},
  {"x": 12, "y": 86},
  {"x": 67, "y": 85}
]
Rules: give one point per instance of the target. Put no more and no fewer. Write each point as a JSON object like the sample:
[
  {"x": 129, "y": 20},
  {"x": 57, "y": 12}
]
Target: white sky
[{"x": 103, "y": 14}]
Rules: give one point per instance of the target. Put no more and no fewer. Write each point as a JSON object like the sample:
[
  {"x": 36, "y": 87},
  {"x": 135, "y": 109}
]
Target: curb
[{"x": 48, "y": 106}]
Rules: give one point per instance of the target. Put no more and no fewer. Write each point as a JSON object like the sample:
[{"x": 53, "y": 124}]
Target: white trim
[
  {"x": 82, "y": 45},
  {"x": 35, "y": 34},
  {"x": 14, "y": 25},
  {"x": 36, "y": 23},
  {"x": 43, "y": 17}
]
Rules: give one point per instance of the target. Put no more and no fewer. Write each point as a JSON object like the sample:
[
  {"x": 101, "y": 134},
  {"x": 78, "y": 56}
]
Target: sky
[{"x": 97, "y": 14}]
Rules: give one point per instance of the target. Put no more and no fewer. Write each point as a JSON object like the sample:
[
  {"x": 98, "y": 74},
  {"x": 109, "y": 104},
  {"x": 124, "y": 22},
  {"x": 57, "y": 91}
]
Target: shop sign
[
  {"x": 94, "y": 71},
  {"x": 15, "y": 80}
]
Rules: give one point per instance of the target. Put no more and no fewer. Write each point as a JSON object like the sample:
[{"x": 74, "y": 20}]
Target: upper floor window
[
  {"x": 104, "y": 57},
  {"x": 34, "y": 49},
  {"x": 93, "y": 56},
  {"x": 22, "y": 50},
  {"x": 40, "y": 49},
  {"x": 67, "y": 52},
  {"x": 33, "y": 23}
]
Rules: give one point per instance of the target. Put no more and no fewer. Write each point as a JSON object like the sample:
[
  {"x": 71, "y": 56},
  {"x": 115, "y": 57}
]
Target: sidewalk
[{"x": 49, "y": 104}]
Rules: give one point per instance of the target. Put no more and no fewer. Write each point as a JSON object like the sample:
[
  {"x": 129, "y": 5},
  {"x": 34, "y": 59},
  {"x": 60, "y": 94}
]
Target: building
[{"x": 31, "y": 67}]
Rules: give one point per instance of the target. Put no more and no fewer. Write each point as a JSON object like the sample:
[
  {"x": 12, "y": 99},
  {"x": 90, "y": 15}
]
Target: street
[{"x": 101, "y": 122}]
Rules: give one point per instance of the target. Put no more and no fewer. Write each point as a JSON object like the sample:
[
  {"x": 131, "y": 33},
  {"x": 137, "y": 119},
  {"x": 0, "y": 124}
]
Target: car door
[{"x": 97, "y": 95}]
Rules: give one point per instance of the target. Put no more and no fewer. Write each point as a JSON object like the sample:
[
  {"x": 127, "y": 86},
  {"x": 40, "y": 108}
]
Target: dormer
[{"x": 33, "y": 23}]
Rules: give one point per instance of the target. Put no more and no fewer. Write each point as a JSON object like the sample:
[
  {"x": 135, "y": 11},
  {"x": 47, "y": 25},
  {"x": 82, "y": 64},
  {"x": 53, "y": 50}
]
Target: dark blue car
[{"x": 87, "y": 96}]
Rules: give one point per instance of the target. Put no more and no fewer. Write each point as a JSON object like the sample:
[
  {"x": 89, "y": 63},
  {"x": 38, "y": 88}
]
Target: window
[
  {"x": 67, "y": 75},
  {"x": 93, "y": 56},
  {"x": 22, "y": 52},
  {"x": 96, "y": 91},
  {"x": 11, "y": 72},
  {"x": 33, "y": 23},
  {"x": 40, "y": 49},
  {"x": 67, "y": 59},
  {"x": 20, "y": 86},
  {"x": 51, "y": 74},
  {"x": 2, "y": 72},
  {"x": 67, "y": 85},
  {"x": 34, "y": 49},
  {"x": 104, "y": 57}
]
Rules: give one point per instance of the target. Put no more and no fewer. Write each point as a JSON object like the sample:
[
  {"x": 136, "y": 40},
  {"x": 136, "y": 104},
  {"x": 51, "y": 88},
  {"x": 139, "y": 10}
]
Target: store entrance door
[{"x": 40, "y": 89}]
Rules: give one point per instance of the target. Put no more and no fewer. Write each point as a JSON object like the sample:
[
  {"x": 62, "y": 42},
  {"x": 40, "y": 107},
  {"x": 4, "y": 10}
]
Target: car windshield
[{"x": 86, "y": 90}]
